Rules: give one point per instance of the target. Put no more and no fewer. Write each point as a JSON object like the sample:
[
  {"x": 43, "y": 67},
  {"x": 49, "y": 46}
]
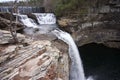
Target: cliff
[
  {"x": 102, "y": 28},
  {"x": 33, "y": 59},
  {"x": 100, "y": 25}
]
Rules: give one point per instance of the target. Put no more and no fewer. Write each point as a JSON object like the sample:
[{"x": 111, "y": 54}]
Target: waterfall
[
  {"x": 27, "y": 21},
  {"x": 23, "y": 9},
  {"x": 45, "y": 18},
  {"x": 76, "y": 69},
  {"x": 47, "y": 22},
  {"x": 43, "y": 28}
]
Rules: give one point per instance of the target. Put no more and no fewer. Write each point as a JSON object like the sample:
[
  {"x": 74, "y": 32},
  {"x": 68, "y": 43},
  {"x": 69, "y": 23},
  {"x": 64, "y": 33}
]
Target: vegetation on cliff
[
  {"x": 77, "y": 7},
  {"x": 65, "y": 7}
]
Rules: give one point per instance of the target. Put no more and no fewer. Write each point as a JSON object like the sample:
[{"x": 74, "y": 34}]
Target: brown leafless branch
[{"x": 13, "y": 27}]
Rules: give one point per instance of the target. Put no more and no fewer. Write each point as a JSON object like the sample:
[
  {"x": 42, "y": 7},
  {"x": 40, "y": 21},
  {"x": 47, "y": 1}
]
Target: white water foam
[
  {"x": 45, "y": 18},
  {"x": 46, "y": 28},
  {"x": 90, "y": 78},
  {"x": 76, "y": 69},
  {"x": 27, "y": 21}
]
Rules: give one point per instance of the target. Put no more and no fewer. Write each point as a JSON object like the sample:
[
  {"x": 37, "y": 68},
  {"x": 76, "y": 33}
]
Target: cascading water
[
  {"x": 27, "y": 21},
  {"x": 47, "y": 21},
  {"x": 23, "y": 9},
  {"x": 45, "y": 18},
  {"x": 76, "y": 69}
]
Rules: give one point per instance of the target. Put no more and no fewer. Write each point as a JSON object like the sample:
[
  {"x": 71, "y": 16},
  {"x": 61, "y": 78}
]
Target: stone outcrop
[
  {"x": 32, "y": 16},
  {"x": 5, "y": 23},
  {"x": 106, "y": 31},
  {"x": 33, "y": 59},
  {"x": 98, "y": 35},
  {"x": 100, "y": 25}
]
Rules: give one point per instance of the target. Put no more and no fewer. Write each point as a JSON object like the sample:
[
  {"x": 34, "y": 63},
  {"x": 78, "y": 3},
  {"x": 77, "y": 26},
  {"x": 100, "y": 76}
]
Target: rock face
[
  {"x": 100, "y": 25},
  {"x": 33, "y": 60},
  {"x": 104, "y": 29},
  {"x": 98, "y": 34}
]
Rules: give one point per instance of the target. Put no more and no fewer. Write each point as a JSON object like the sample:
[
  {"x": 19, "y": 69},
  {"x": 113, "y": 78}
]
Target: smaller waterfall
[
  {"x": 46, "y": 18},
  {"x": 76, "y": 69},
  {"x": 4, "y": 9},
  {"x": 47, "y": 22},
  {"x": 23, "y": 9},
  {"x": 27, "y": 21},
  {"x": 43, "y": 28}
]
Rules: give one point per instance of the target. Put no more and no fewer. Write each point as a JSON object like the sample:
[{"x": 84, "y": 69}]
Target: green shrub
[{"x": 66, "y": 6}]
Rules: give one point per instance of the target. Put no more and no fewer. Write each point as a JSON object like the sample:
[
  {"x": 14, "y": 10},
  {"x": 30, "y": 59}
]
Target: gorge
[
  {"x": 47, "y": 50},
  {"x": 76, "y": 67}
]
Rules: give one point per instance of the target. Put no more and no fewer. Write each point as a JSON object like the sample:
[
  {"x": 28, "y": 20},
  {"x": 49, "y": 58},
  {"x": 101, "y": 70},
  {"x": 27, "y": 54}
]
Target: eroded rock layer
[{"x": 33, "y": 60}]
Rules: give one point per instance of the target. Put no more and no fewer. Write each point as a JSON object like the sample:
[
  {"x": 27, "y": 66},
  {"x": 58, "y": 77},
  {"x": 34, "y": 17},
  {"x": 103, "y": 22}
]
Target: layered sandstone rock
[
  {"x": 104, "y": 30},
  {"x": 33, "y": 60}
]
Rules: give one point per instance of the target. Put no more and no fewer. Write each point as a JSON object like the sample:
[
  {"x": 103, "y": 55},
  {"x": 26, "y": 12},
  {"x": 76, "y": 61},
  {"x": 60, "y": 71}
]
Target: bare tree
[{"x": 11, "y": 26}]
